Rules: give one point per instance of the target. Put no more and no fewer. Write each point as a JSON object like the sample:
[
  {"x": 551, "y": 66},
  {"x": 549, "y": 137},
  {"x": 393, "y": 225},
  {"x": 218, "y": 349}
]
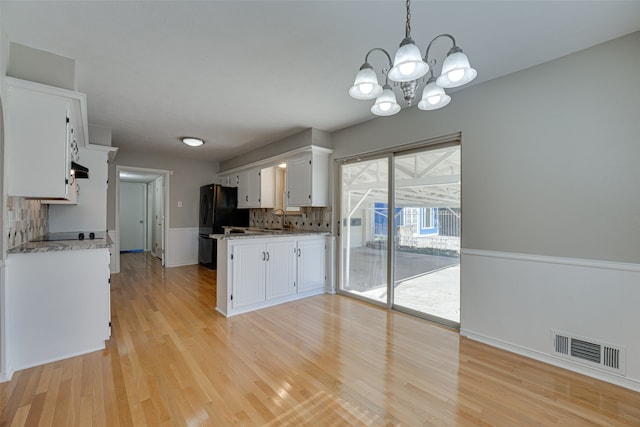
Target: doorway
[
  {"x": 142, "y": 211},
  {"x": 133, "y": 215},
  {"x": 400, "y": 230}
]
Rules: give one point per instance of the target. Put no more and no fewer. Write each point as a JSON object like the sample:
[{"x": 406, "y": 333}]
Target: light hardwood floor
[{"x": 329, "y": 360}]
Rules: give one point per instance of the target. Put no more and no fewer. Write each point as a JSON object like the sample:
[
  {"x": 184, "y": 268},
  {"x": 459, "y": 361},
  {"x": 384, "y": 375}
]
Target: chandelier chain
[
  {"x": 409, "y": 70},
  {"x": 407, "y": 31}
]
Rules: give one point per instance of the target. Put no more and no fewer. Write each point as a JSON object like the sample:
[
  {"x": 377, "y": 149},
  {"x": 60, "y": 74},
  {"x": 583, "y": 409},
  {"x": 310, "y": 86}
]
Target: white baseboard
[
  {"x": 182, "y": 247},
  {"x": 555, "y": 361},
  {"x": 59, "y": 358},
  {"x": 5, "y": 376},
  {"x": 513, "y": 301}
]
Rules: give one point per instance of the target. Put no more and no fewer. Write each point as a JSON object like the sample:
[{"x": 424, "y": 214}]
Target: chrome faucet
[{"x": 284, "y": 217}]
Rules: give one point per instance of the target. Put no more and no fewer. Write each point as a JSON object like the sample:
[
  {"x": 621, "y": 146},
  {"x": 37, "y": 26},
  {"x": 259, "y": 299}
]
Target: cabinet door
[
  {"x": 248, "y": 274},
  {"x": 268, "y": 187},
  {"x": 253, "y": 188},
  {"x": 72, "y": 196},
  {"x": 249, "y": 188},
  {"x": 299, "y": 180},
  {"x": 310, "y": 264},
  {"x": 243, "y": 189},
  {"x": 38, "y": 140},
  {"x": 280, "y": 269}
]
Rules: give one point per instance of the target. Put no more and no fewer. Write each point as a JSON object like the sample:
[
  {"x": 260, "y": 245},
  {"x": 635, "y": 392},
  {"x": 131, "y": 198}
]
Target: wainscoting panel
[
  {"x": 516, "y": 301},
  {"x": 182, "y": 247},
  {"x": 4, "y": 375}
]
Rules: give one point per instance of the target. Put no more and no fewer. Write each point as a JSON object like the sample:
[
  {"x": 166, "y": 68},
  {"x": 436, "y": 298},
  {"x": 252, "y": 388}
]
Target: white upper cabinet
[
  {"x": 260, "y": 184},
  {"x": 228, "y": 180},
  {"x": 256, "y": 188},
  {"x": 267, "y": 189},
  {"x": 42, "y": 123},
  {"x": 241, "y": 178},
  {"x": 308, "y": 179}
]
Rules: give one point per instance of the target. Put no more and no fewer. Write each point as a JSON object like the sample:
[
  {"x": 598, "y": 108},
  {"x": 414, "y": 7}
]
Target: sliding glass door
[
  {"x": 427, "y": 233},
  {"x": 364, "y": 228},
  {"x": 411, "y": 240}
]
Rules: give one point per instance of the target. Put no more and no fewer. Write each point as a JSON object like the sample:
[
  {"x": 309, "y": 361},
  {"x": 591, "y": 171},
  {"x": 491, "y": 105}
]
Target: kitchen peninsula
[
  {"x": 58, "y": 300},
  {"x": 259, "y": 268}
]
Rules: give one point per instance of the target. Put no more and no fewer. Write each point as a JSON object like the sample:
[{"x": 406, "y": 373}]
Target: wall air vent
[
  {"x": 561, "y": 344},
  {"x": 588, "y": 351}
]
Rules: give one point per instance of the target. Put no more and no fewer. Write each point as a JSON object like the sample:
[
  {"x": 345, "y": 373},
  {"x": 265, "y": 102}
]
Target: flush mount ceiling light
[
  {"x": 192, "y": 142},
  {"x": 407, "y": 71}
]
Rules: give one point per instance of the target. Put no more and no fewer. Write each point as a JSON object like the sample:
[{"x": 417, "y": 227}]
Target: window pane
[
  {"x": 427, "y": 233},
  {"x": 365, "y": 222}
]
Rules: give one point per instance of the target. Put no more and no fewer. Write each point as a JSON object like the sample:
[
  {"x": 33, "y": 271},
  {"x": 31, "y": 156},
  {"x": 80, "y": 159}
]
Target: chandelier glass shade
[
  {"x": 366, "y": 84},
  {"x": 433, "y": 96},
  {"x": 408, "y": 70},
  {"x": 456, "y": 70},
  {"x": 408, "y": 64}
]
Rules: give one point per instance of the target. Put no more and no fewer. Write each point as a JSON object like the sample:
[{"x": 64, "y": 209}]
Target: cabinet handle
[
  {"x": 267, "y": 256},
  {"x": 246, "y": 198},
  {"x": 264, "y": 257},
  {"x": 299, "y": 252},
  {"x": 288, "y": 192}
]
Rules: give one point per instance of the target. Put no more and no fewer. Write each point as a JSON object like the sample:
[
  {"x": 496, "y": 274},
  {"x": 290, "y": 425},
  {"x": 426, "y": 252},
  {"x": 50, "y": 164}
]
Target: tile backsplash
[
  {"x": 309, "y": 219},
  {"x": 27, "y": 219}
]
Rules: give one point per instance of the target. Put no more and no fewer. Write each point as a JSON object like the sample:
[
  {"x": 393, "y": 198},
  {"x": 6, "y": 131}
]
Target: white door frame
[
  {"x": 158, "y": 180},
  {"x": 165, "y": 225}
]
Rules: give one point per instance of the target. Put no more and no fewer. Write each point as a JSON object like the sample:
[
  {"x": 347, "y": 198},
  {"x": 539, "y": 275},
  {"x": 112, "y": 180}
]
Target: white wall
[
  {"x": 184, "y": 186},
  {"x": 43, "y": 67},
  {"x": 302, "y": 139},
  {"x": 183, "y": 249},
  {"x": 90, "y": 212},
  {"x": 4, "y": 58},
  {"x": 548, "y": 169},
  {"x": 188, "y": 176}
]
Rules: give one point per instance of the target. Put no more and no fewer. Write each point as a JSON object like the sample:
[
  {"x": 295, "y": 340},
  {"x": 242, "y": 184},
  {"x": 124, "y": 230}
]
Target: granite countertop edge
[
  {"x": 62, "y": 245},
  {"x": 262, "y": 235}
]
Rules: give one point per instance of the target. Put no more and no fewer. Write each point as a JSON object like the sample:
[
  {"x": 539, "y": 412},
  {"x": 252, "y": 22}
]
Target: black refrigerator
[{"x": 218, "y": 208}]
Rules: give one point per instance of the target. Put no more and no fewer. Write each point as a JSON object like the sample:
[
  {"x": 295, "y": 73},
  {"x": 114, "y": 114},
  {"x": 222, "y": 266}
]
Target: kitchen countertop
[
  {"x": 62, "y": 245},
  {"x": 259, "y": 233}
]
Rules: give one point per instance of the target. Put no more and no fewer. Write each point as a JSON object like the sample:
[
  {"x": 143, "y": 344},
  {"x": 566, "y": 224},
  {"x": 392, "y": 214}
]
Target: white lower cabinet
[
  {"x": 248, "y": 284},
  {"x": 280, "y": 274},
  {"x": 257, "y": 273},
  {"x": 310, "y": 265},
  {"x": 58, "y": 309}
]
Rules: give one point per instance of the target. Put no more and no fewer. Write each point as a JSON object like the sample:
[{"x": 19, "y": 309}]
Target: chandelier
[{"x": 408, "y": 70}]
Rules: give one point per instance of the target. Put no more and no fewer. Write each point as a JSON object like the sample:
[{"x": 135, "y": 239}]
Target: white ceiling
[{"x": 241, "y": 74}]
